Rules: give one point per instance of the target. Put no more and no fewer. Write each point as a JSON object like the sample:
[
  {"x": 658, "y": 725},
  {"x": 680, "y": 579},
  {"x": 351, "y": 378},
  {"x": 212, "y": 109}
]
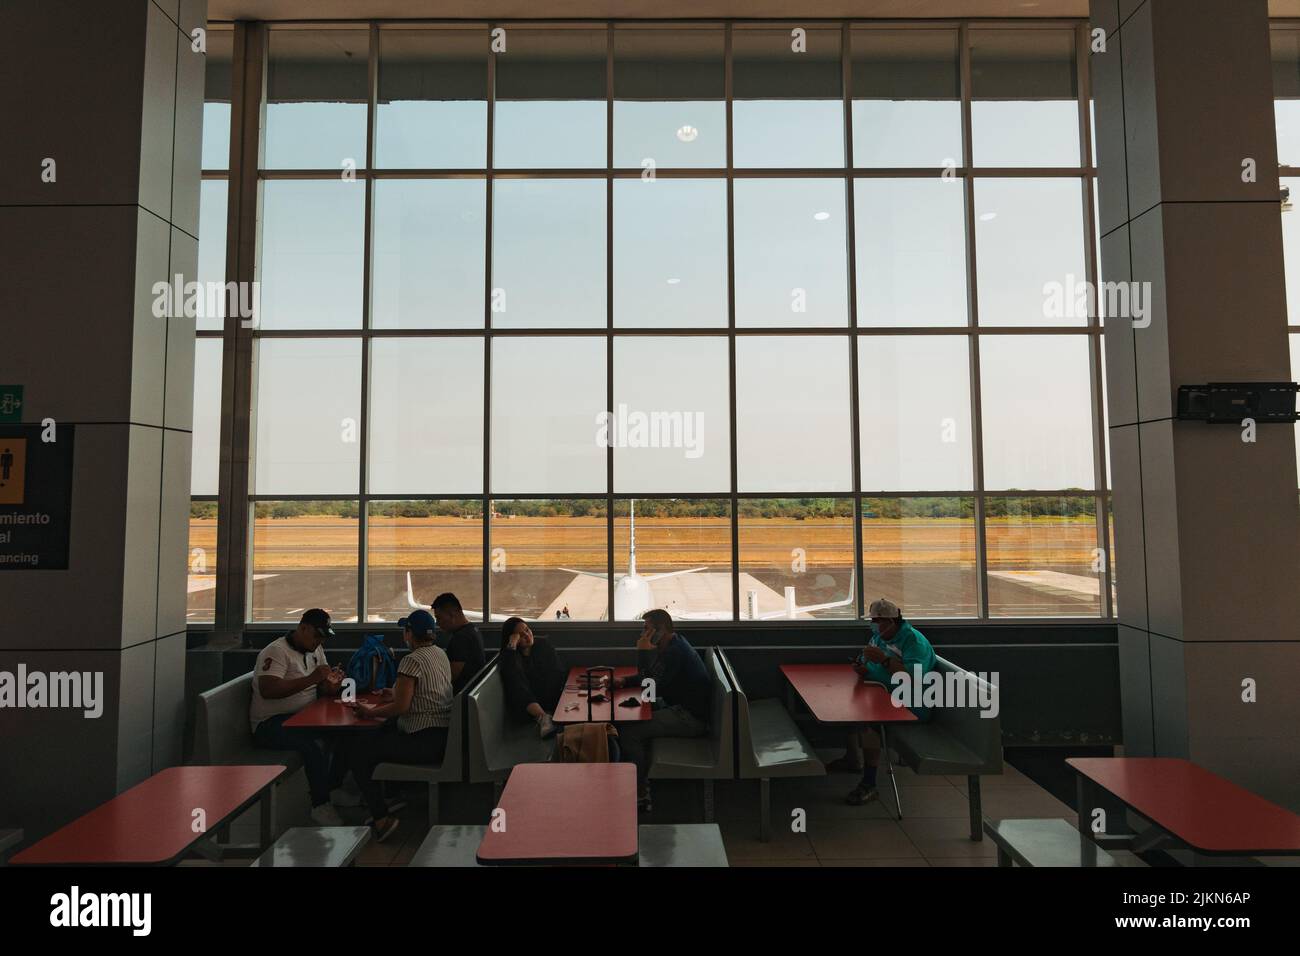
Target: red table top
[
  {"x": 565, "y": 813},
  {"x": 1201, "y": 808},
  {"x": 609, "y": 711},
  {"x": 330, "y": 713},
  {"x": 152, "y": 823},
  {"x": 837, "y": 695}
]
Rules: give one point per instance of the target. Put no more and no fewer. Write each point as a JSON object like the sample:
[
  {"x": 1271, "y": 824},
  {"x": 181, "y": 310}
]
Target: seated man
[
  {"x": 683, "y": 694},
  {"x": 894, "y": 646},
  {"x": 463, "y": 644},
  {"x": 288, "y": 675}
]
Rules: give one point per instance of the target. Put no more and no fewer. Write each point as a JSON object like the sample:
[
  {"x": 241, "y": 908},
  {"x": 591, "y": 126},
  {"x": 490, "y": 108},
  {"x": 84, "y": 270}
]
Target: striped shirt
[{"x": 431, "y": 703}]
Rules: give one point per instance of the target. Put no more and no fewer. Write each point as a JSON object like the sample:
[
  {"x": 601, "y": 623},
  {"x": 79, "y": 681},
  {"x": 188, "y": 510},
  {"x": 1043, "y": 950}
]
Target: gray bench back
[
  {"x": 768, "y": 741},
  {"x": 983, "y": 735},
  {"x": 221, "y": 732},
  {"x": 721, "y": 726},
  {"x": 496, "y": 741}
]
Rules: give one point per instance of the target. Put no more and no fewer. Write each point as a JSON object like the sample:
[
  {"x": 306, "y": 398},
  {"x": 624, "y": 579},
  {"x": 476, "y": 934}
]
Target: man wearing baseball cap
[
  {"x": 289, "y": 674},
  {"x": 895, "y": 646}
]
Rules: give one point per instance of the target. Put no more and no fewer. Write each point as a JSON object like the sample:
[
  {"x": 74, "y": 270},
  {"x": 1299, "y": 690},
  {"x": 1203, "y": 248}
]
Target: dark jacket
[
  {"x": 533, "y": 678},
  {"x": 680, "y": 677}
]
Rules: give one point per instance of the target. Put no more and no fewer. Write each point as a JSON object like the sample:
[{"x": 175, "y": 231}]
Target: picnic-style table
[
  {"x": 564, "y": 813},
  {"x": 838, "y": 696},
  {"x": 1186, "y": 805},
  {"x": 332, "y": 713},
  {"x": 153, "y": 823},
  {"x": 572, "y": 707}
]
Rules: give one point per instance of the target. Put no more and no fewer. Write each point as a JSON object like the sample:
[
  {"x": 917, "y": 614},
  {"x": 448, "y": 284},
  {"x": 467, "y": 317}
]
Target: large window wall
[{"x": 753, "y": 320}]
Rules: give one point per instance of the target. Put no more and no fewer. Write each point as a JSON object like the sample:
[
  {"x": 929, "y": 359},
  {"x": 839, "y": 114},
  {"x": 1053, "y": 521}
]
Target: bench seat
[
  {"x": 680, "y": 844},
  {"x": 316, "y": 846},
  {"x": 706, "y": 758},
  {"x": 450, "y": 846},
  {"x": 497, "y": 743},
  {"x": 929, "y": 749},
  {"x": 1043, "y": 843}
]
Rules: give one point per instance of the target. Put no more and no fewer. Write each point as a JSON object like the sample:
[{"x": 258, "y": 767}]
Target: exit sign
[{"x": 11, "y": 403}]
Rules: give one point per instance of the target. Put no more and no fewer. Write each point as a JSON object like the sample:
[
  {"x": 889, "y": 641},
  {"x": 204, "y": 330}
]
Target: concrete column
[
  {"x": 1207, "y": 525},
  {"x": 112, "y": 93}
]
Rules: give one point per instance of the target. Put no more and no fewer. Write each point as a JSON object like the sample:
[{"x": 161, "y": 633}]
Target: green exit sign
[{"x": 11, "y": 403}]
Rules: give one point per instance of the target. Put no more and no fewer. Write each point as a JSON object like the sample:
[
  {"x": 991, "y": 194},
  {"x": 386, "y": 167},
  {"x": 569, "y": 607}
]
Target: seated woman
[
  {"x": 421, "y": 700},
  {"x": 532, "y": 674}
]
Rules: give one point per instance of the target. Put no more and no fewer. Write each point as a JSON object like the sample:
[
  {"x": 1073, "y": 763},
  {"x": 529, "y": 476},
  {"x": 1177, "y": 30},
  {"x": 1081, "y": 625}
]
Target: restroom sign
[{"x": 35, "y": 498}]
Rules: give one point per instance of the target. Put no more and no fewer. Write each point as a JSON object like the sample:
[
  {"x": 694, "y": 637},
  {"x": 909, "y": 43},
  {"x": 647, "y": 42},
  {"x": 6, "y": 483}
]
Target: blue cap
[{"x": 420, "y": 623}]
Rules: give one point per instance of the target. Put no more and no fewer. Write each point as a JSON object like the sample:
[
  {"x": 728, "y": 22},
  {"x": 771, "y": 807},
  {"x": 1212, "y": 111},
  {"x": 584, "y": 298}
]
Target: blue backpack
[{"x": 363, "y": 667}]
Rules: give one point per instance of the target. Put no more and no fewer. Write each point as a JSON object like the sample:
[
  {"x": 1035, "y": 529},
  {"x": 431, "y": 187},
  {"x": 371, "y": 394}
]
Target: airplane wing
[
  {"x": 670, "y": 574},
  {"x": 805, "y": 608},
  {"x": 701, "y": 615},
  {"x": 590, "y": 574},
  {"x": 472, "y": 615}
]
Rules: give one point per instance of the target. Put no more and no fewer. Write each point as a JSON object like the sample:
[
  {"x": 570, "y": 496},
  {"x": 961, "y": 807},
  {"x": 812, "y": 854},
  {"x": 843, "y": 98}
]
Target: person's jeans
[
  {"x": 322, "y": 777},
  {"x": 674, "y": 721},
  {"x": 366, "y": 749}
]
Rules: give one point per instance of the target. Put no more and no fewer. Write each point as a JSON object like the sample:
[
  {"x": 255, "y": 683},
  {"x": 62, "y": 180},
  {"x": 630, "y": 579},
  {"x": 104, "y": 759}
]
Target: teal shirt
[{"x": 912, "y": 648}]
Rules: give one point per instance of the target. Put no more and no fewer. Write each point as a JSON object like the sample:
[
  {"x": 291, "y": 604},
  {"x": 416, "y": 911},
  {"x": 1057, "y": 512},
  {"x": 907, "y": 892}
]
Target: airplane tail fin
[{"x": 410, "y": 595}]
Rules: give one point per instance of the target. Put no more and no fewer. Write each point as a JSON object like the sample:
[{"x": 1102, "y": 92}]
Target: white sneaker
[
  {"x": 345, "y": 798},
  {"x": 546, "y": 727},
  {"x": 326, "y": 816}
]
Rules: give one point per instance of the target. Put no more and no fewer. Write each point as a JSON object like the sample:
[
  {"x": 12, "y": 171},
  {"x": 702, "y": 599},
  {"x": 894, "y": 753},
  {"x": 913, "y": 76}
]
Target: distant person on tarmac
[
  {"x": 463, "y": 644},
  {"x": 289, "y": 674}
]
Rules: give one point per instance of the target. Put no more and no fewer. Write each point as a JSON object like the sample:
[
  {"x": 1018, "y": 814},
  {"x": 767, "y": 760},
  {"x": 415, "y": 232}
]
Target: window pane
[
  {"x": 212, "y": 251},
  {"x": 914, "y": 413},
  {"x": 788, "y": 108},
  {"x": 1286, "y": 93},
  {"x": 426, "y": 415},
  {"x": 682, "y": 558},
  {"x": 920, "y": 553},
  {"x": 676, "y": 438},
  {"x": 429, "y": 241},
  {"x": 316, "y": 99},
  {"x": 206, "y": 437},
  {"x": 307, "y": 411},
  {"x": 311, "y": 254},
  {"x": 550, "y": 100},
  {"x": 911, "y": 252},
  {"x": 432, "y": 106},
  {"x": 670, "y": 252},
  {"x": 547, "y": 394},
  {"x": 1291, "y": 252},
  {"x": 437, "y": 544},
  {"x": 792, "y": 413},
  {"x": 668, "y": 98},
  {"x": 1037, "y": 411},
  {"x": 1029, "y": 251},
  {"x": 1041, "y": 557},
  {"x": 216, "y": 100},
  {"x": 1024, "y": 91},
  {"x": 796, "y": 558},
  {"x": 304, "y": 555},
  {"x": 201, "y": 561},
  {"x": 791, "y": 253},
  {"x": 548, "y": 254},
  {"x": 906, "y": 98},
  {"x": 548, "y": 555}
]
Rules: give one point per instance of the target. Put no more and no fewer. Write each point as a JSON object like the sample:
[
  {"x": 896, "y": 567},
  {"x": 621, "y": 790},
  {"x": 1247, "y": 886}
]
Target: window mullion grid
[
  {"x": 363, "y": 426},
  {"x": 609, "y": 317},
  {"x": 727, "y": 93},
  {"x": 851, "y": 227},
  {"x": 489, "y": 190}
]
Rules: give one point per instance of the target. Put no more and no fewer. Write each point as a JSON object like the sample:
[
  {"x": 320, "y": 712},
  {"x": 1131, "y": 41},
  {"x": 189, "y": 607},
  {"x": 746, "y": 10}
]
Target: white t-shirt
[{"x": 279, "y": 659}]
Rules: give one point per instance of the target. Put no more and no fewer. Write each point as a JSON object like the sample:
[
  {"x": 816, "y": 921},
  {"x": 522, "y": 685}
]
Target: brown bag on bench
[{"x": 584, "y": 743}]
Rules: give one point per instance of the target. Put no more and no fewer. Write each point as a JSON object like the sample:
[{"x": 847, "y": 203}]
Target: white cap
[{"x": 884, "y": 608}]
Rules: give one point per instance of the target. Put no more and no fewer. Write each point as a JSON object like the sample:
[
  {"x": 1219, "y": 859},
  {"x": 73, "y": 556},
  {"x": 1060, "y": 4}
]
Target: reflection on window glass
[
  {"x": 1024, "y": 98},
  {"x": 548, "y": 253},
  {"x": 1029, "y": 252},
  {"x": 201, "y": 564},
  {"x": 438, "y": 545},
  {"x": 914, "y": 412},
  {"x": 549, "y": 559},
  {"x": 906, "y": 98},
  {"x": 550, "y": 100},
  {"x": 206, "y": 437},
  {"x": 796, "y": 559},
  {"x": 911, "y": 252},
  {"x": 1286, "y": 93},
  {"x": 1036, "y": 410},
  {"x": 679, "y": 558},
  {"x": 920, "y": 553},
  {"x": 307, "y": 413},
  {"x": 792, "y": 414},
  {"x": 670, "y": 427},
  {"x": 788, "y": 107},
  {"x": 304, "y": 555},
  {"x": 547, "y": 396},
  {"x": 428, "y": 246},
  {"x": 1042, "y": 557},
  {"x": 668, "y": 97},
  {"x": 426, "y": 415},
  {"x": 316, "y": 99},
  {"x": 212, "y": 251},
  {"x": 1291, "y": 251},
  {"x": 432, "y": 104},
  {"x": 670, "y": 252},
  {"x": 216, "y": 100},
  {"x": 311, "y": 254},
  {"x": 791, "y": 253}
]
